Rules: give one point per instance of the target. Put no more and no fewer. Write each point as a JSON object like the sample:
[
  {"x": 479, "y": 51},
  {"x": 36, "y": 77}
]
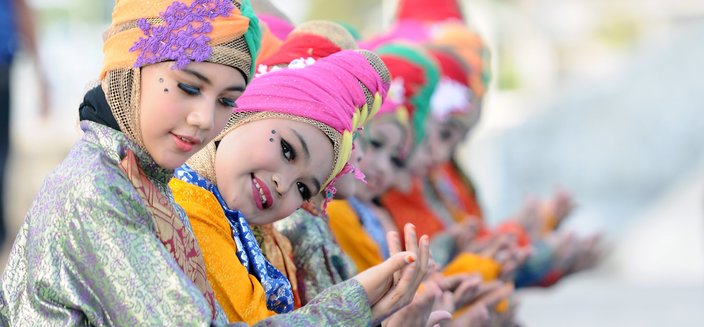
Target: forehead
[
  {"x": 298, "y": 133},
  {"x": 390, "y": 130}
]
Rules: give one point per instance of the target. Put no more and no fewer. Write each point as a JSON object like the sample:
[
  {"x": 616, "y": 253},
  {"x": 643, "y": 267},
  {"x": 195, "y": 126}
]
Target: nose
[
  {"x": 281, "y": 183},
  {"x": 202, "y": 116}
]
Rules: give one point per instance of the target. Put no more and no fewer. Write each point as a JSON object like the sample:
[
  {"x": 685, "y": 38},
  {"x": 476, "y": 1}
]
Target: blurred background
[{"x": 604, "y": 98}]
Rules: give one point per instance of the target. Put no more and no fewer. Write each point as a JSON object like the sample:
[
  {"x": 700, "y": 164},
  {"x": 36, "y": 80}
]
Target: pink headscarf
[
  {"x": 278, "y": 26},
  {"x": 328, "y": 91}
]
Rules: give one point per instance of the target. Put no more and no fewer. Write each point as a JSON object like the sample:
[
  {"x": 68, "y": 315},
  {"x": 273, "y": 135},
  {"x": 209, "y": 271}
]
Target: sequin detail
[{"x": 183, "y": 38}]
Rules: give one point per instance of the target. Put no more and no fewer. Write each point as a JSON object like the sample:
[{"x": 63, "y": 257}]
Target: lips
[
  {"x": 185, "y": 143},
  {"x": 261, "y": 194}
]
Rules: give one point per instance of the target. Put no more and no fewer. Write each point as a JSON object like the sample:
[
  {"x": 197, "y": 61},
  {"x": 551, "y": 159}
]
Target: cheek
[{"x": 288, "y": 206}]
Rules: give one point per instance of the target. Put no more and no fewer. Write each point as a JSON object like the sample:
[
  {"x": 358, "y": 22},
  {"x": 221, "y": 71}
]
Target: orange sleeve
[
  {"x": 240, "y": 294},
  {"x": 352, "y": 237},
  {"x": 412, "y": 208}
]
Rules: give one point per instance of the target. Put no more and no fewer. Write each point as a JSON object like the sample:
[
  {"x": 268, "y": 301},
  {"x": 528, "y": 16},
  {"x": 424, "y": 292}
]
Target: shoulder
[
  {"x": 200, "y": 205},
  {"x": 87, "y": 182}
]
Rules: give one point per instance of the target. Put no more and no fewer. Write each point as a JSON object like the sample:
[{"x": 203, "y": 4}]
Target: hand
[
  {"x": 561, "y": 205},
  {"x": 465, "y": 232},
  {"x": 476, "y": 315},
  {"x": 462, "y": 287},
  {"x": 392, "y": 284},
  {"x": 422, "y": 311},
  {"x": 492, "y": 292}
]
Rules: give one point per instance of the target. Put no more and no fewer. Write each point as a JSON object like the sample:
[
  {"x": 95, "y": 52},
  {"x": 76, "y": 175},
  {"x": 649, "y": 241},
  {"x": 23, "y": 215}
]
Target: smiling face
[
  {"x": 382, "y": 157},
  {"x": 267, "y": 168},
  {"x": 182, "y": 110}
]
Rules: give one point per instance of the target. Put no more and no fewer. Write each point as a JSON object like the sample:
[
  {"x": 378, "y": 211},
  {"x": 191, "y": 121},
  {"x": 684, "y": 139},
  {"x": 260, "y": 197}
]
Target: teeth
[
  {"x": 183, "y": 139},
  {"x": 261, "y": 192}
]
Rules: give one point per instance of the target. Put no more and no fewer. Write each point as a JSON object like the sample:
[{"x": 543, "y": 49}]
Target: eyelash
[
  {"x": 195, "y": 91},
  {"x": 398, "y": 162},
  {"x": 302, "y": 188},
  {"x": 304, "y": 191},
  {"x": 375, "y": 143}
]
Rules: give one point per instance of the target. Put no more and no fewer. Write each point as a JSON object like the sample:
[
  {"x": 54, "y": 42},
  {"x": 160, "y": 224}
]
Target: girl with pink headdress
[{"x": 290, "y": 139}]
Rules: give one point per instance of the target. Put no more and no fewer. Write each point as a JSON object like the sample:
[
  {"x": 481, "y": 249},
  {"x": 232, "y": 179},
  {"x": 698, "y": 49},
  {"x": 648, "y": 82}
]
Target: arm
[{"x": 120, "y": 271}]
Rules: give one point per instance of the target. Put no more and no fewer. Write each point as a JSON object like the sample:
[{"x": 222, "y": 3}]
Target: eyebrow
[
  {"x": 303, "y": 143},
  {"x": 205, "y": 80},
  {"x": 305, "y": 149},
  {"x": 198, "y": 75}
]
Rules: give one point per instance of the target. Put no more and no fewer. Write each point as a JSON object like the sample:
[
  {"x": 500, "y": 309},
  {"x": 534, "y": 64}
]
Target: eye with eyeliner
[
  {"x": 304, "y": 191},
  {"x": 287, "y": 151},
  {"x": 398, "y": 162},
  {"x": 189, "y": 89},
  {"x": 227, "y": 102}
]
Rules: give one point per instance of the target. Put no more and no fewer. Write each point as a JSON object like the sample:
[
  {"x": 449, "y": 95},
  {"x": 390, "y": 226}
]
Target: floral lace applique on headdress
[{"x": 183, "y": 36}]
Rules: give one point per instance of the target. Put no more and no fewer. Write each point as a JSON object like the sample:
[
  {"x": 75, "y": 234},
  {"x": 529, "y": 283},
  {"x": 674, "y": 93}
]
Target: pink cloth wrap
[
  {"x": 327, "y": 91},
  {"x": 278, "y": 26}
]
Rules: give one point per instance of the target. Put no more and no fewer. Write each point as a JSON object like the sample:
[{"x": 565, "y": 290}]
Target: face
[
  {"x": 442, "y": 140},
  {"x": 346, "y": 185},
  {"x": 182, "y": 110},
  {"x": 267, "y": 168},
  {"x": 382, "y": 158}
]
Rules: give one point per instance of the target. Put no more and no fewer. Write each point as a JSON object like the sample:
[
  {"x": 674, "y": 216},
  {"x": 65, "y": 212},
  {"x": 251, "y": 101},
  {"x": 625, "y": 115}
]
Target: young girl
[
  {"x": 308, "y": 42},
  {"x": 104, "y": 243},
  {"x": 302, "y": 133}
]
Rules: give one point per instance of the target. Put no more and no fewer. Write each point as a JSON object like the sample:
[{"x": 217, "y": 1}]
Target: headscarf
[
  {"x": 429, "y": 11},
  {"x": 308, "y": 42},
  {"x": 413, "y": 71},
  {"x": 452, "y": 97},
  {"x": 279, "y": 26},
  {"x": 146, "y": 32},
  {"x": 337, "y": 94},
  {"x": 469, "y": 46},
  {"x": 275, "y": 27}
]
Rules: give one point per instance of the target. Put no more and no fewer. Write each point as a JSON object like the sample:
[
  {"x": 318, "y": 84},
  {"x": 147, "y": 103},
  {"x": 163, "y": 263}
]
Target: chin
[{"x": 170, "y": 163}]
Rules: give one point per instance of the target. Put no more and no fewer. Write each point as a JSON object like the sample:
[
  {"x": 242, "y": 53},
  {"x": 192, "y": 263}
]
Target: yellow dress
[
  {"x": 240, "y": 294},
  {"x": 351, "y": 236}
]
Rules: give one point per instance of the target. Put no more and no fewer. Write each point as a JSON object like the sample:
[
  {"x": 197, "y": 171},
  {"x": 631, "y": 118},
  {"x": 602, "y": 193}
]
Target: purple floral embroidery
[{"x": 183, "y": 36}]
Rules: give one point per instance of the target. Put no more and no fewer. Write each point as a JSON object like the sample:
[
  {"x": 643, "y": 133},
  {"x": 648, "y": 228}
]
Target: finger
[
  {"x": 424, "y": 257},
  {"x": 394, "y": 242},
  {"x": 410, "y": 238},
  {"x": 437, "y": 317}
]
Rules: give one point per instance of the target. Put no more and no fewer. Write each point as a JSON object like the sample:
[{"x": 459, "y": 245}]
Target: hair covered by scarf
[
  {"x": 159, "y": 30},
  {"x": 468, "y": 45},
  {"x": 420, "y": 75},
  {"x": 329, "y": 92}
]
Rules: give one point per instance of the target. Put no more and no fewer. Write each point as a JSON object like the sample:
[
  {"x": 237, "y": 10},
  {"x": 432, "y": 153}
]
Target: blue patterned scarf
[{"x": 279, "y": 297}]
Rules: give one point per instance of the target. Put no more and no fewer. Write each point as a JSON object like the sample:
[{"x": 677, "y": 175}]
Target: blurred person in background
[{"x": 16, "y": 28}]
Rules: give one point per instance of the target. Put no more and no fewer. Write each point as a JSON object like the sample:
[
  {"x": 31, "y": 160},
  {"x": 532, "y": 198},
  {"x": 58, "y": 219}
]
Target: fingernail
[{"x": 410, "y": 259}]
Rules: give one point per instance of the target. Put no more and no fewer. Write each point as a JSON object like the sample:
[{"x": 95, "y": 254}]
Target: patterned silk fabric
[
  {"x": 320, "y": 262},
  {"x": 169, "y": 228},
  {"x": 277, "y": 287},
  {"x": 87, "y": 252}
]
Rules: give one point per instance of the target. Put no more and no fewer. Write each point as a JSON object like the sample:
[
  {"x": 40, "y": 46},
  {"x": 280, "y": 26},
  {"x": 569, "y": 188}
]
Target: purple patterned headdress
[{"x": 184, "y": 36}]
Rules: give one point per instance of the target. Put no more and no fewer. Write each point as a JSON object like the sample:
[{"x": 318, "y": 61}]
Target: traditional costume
[
  {"x": 337, "y": 94},
  {"x": 304, "y": 45},
  {"x": 104, "y": 243}
]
